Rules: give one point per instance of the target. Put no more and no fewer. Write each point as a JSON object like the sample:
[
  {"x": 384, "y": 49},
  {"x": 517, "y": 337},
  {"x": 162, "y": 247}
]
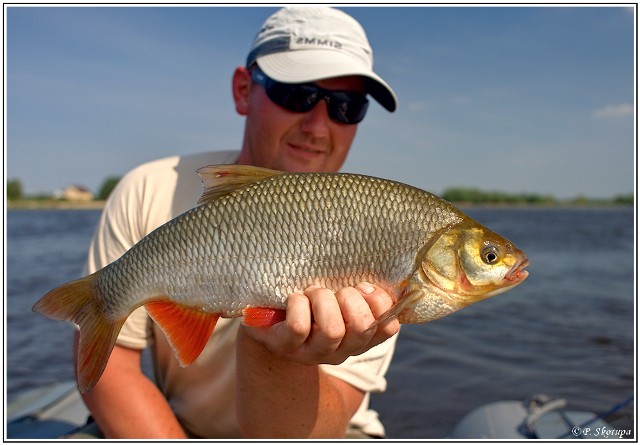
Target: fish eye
[{"x": 490, "y": 254}]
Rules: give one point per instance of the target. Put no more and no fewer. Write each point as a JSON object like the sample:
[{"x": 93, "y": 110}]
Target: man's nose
[{"x": 316, "y": 121}]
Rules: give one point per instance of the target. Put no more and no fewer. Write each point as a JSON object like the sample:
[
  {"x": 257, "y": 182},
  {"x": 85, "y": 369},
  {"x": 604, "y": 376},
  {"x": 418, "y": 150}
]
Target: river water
[{"x": 568, "y": 331}]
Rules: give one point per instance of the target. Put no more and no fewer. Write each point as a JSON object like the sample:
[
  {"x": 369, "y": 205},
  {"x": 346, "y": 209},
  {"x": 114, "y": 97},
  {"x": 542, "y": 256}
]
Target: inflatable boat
[{"x": 57, "y": 410}]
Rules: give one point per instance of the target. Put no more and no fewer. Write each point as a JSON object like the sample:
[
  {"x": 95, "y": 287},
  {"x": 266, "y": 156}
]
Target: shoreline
[
  {"x": 51, "y": 204},
  {"x": 54, "y": 204}
]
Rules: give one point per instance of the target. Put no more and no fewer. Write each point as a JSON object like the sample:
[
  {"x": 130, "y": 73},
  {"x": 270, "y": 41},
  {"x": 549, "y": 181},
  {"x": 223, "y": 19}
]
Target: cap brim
[{"x": 310, "y": 66}]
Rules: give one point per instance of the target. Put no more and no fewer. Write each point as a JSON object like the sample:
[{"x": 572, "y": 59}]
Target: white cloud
[{"x": 614, "y": 111}]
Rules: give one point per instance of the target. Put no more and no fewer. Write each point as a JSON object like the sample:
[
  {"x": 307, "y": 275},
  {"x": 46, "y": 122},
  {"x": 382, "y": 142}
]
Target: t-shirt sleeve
[{"x": 367, "y": 370}]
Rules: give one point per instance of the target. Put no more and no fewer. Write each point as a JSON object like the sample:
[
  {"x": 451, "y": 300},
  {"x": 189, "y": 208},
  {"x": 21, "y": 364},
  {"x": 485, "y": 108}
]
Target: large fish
[{"x": 259, "y": 235}]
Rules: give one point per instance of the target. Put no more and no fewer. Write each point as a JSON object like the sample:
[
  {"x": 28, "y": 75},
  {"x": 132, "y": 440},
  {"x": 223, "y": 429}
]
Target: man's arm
[
  {"x": 126, "y": 404},
  {"x": 281, "y": 391}
]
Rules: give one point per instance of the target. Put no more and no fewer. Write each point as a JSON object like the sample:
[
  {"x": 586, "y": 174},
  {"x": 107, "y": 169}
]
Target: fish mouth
[{"x": 517, "y": 272}]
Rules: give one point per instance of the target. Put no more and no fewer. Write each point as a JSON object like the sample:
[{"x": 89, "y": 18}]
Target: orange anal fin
[
  {"x": 262, "y": 316},
  {"x": 187, "y": 329}
]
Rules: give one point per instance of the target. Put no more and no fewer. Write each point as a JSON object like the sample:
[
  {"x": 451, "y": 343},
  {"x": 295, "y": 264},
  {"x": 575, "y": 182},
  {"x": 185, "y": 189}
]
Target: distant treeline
[
  {"x": 476, "y": 196},
  {"x": 456, "y": 195},
  {"x": 15, "y": 190}
]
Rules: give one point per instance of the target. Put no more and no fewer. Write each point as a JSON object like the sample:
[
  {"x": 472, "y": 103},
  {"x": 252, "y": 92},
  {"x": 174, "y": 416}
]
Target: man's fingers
[
  {"x": 328, "y": 327},
  {"x": 298, "y": 321},
  {"x": 380, "y": 302},
  {"x": 355, "y": 308}
]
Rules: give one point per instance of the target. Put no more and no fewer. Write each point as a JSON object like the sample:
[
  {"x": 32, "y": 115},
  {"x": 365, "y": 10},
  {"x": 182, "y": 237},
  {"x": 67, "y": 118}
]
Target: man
[{"x": 302, "y": 92}]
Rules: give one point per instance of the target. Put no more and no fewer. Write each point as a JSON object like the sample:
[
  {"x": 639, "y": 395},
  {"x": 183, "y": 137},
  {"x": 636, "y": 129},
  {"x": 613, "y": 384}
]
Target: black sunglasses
[{"x": 346, "y": 107}]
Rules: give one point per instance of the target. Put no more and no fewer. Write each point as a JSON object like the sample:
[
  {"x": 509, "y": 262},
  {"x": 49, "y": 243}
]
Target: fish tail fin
[
  {"x": 77, "y": 302},
  {"x": 262, "y": 316}
]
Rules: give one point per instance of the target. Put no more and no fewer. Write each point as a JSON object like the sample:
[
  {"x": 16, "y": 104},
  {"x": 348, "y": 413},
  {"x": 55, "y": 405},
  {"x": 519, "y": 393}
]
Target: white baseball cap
[{"x": 305, "y": 44}]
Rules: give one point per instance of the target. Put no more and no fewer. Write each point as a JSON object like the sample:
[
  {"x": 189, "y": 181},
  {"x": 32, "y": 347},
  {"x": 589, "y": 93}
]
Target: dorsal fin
[{"x": 220, "y": 180}]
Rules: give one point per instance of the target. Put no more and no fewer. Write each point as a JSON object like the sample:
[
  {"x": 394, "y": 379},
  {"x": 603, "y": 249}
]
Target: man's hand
[
  {"x": 277, "y": 366},
  {"x": 326, "y": 327}
]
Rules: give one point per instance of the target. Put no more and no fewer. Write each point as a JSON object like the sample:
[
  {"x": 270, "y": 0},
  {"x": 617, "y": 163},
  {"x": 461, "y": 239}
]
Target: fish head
[
  {"x": 461, "y": 265},
  {"x": 470, "y": 262}
]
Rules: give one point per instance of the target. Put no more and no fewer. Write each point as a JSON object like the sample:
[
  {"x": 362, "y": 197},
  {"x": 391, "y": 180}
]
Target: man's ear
[{"x": 241, "y": 88}]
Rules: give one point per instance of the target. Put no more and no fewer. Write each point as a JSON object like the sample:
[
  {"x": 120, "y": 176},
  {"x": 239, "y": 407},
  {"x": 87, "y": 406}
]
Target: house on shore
[{"x": 76, "y": 193}]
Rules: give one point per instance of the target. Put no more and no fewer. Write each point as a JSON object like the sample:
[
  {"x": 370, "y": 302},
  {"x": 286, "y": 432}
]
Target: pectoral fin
[
  {"x": 404, "y": 302},
  {"x": 262, "y": 316}
]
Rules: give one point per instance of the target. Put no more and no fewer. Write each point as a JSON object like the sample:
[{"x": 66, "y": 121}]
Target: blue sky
[{"x": 518, "y": 99}]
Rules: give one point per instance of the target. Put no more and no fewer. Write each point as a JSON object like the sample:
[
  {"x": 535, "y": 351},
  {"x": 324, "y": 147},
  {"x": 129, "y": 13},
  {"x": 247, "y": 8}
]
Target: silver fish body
[
  {"x": 260, "y": 235},
  {"x": 278, "y": 236}
]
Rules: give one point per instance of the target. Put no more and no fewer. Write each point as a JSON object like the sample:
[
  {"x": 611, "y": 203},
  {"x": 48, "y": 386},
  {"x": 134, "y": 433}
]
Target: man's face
[{"x": 298, "y": 142}]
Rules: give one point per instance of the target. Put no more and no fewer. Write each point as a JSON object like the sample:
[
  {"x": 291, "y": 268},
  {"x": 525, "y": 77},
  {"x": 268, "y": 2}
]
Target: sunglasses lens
[
  {"x": 344, "y": 107},
  {"x": 347, "y": 108},
  {"x": 293, "y": 97}
]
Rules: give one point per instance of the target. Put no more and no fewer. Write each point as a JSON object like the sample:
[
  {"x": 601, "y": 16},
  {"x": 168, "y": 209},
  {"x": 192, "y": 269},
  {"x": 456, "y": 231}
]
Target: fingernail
[{"x": 366, "y": 288}]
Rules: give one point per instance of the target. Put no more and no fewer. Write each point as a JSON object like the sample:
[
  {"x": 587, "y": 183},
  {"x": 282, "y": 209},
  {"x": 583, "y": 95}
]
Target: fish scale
[
  {"x": 261, "y": 235},
  {"x": 243, "y": 242}
]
